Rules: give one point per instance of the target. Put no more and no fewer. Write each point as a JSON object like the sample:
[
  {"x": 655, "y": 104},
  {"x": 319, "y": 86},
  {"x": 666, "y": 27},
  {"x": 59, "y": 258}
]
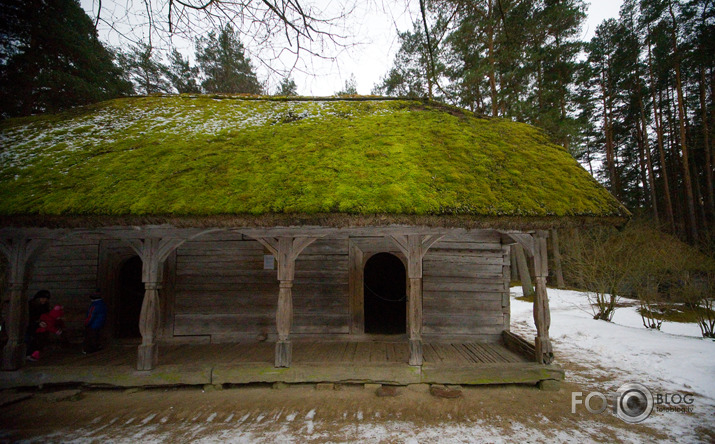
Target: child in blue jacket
[{"x": 96, "y": 318}]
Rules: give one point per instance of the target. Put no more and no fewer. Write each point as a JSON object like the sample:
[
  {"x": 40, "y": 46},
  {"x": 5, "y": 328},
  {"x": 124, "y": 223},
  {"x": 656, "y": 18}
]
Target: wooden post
[
  {"x": 542, "y": 315},
  {"x": 557, "y": 259},
  {"x": 18, "y": 251},
  {"x": 286, "y": 250},
  {"x": 523, "y": 268},
  {"x": 148, "y": 351},
  {"x": 13, "y": 354},
  {"x": 512, "y": 260},
  {"x": 357, "y": 290},
  {"x": 414, "y": 247},
  {"x": 153, "y": 252}
]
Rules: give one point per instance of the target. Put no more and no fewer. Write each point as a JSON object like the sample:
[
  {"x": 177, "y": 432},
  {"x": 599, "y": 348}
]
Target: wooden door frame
[
  {"x": 360, "y": 250},
  {"x": 113, "y": 253}
]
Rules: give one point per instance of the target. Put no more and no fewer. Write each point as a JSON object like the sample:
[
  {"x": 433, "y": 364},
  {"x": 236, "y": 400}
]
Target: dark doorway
[
  {"x": 131, "y": 295},
  {"x": 385, "y": 295}
]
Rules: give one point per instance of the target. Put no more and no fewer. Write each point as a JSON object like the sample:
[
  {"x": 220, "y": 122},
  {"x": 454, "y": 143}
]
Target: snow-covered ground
[
  {"x": 597, "y": 356},
  {"x": 675, "y": 359}
]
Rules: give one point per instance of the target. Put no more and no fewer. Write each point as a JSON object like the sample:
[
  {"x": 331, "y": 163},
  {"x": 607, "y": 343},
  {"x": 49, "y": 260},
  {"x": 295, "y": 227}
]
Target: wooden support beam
[
  {"x": 356, "y": 259},
  {"x": 542, "y": 315},
  {"x": 414, "y": 247},
  {"x": 153, "y": 253},
  {"x": 19, "y": 252},
  {"x": 285, "y": 249},
  {"x": 557, "y": 259},
  {"x": 523, "y": 269}
]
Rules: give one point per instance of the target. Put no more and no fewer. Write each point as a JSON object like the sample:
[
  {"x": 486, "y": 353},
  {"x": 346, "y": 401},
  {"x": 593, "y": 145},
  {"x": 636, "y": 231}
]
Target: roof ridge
[{"x": 267, "y": 98}]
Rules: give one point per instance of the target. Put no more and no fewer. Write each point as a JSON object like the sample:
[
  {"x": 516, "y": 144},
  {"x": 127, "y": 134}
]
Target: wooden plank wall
[
  {"x": 321, "y": 288},
  {"x": 68, "y": 269},
  {"x": 465, "y": 292},
  {"x": 222, "y": 290}
]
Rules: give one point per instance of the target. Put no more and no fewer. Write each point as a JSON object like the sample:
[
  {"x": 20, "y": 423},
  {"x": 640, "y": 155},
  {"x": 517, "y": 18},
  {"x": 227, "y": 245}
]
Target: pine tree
[
  {"x": 143, "y": 67},
  {"x": 224, "y": 64},
  {"x": 51, "y": 59},
  {"x": 350, "y": 88},
  {"x": 287, "y": 88},
  {"x": 183, "y": 77},
  {"x": 408, "y": 76}
]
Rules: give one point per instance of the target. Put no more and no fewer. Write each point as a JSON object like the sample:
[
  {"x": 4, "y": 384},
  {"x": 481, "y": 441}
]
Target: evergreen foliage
[
  {"x": 350, "y": 88},
  {"x": 226, "y": 68},
  {"x": 51, "y": 59},
  {"x": 144, "y": 68},
  {"x": 183, "y": 77},
  {"x": 637, "y": 110},
  {"x": 287, "y": 88}
]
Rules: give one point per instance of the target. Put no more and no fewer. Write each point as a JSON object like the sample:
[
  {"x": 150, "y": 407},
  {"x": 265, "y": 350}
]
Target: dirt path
[{"x": 304, "y": 414}]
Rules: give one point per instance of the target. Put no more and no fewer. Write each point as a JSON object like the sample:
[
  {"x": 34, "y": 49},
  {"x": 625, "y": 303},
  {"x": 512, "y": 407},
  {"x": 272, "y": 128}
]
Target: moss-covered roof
[{"x": 173, "y": 157}]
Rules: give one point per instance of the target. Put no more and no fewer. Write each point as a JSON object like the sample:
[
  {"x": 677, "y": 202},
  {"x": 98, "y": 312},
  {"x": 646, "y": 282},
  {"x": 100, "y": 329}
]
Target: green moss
[
  {"x": 678, "y": 313},
  {"x": 526, "y": 298},
  {"x": 201, "y": 155}
]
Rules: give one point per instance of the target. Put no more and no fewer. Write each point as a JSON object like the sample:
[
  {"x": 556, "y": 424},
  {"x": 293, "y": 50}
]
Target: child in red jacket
[
  {"x": 53, "y": 320},
  {"x": 50, "y": 322}
]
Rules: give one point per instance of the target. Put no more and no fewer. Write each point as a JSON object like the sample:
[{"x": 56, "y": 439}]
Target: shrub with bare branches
[{"x": 642, "y": 262}]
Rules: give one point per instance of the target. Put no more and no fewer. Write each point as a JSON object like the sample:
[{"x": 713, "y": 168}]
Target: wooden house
[{"x": 287, "y": 240}]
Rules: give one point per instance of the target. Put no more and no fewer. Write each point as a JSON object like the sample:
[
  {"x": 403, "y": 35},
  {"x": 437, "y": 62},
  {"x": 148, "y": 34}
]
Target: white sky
[{"x": 374, "y": 25}]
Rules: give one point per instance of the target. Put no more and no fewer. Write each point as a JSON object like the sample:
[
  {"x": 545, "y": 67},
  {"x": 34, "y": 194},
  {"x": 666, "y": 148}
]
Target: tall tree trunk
[
  {"x": 683, "y": 140},
  {"x": 556, "y": 249},
  {"x": 675, "y": 163},
  {"x": 642, "y": 165},
  {"x": 610, "y": 157},
  {"x": 658, "y": 119},
  {"x": 430, "y": 69},
  {"x": 706, "y": 147},
  {"x": 649, "y": 162},
  {"x": 492, "y": 63}
]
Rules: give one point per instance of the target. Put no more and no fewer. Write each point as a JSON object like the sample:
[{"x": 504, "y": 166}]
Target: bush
[{"x": 641, "y": 262}]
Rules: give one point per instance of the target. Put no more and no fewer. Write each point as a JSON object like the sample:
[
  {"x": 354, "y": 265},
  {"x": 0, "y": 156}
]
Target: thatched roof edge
[{"x": 330, "y": 220}]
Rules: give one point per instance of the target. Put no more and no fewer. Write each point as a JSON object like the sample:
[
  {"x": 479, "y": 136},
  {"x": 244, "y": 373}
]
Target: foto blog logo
[{"x": 633, "y": 402}]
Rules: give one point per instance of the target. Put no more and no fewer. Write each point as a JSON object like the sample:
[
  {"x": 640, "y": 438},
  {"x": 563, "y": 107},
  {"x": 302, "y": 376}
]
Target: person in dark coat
[
  {"x": 39, "y": 305},
  {"x": 94, "y": 322}
]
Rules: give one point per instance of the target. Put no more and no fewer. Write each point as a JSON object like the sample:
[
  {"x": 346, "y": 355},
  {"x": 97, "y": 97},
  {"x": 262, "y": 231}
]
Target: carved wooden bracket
[
  {"x": 19, "y": 252},
  {"x": 414, "y": 247},
  {"x": 542, "y": 314},
  {"x": 286, "y": 249}
]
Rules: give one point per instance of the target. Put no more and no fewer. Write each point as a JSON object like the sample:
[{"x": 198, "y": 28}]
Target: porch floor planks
[
  {"x": 481, "y": 355},
  {"x": 338, "y": 352},
  {"x": 490, "y": 353},
  {"x": 378, "y": 352},
  {"x": 508, "y": 354},
  {"x": 397, "y": 352},
  {"x": 263, "y": 352},
  {"x": 462, "y": 351},
  {"x": 350, "y": 351},
  {"x": 362, "y": 353},
  {"x": 342, "y": 352}
]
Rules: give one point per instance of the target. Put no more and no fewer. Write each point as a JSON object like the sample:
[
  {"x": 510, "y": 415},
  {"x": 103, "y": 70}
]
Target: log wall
[
  {"x": 466, "y": 287},
  {"x": 222, "y": 290},
  {"x": 219, "y": 290},
  {"x": 68, "y": 269}
]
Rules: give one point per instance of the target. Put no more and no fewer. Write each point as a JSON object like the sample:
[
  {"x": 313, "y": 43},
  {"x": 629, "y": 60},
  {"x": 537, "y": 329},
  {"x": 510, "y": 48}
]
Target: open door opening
[
  {"x": 385, "y": 295},
  {"x": 129, "y": 302}
]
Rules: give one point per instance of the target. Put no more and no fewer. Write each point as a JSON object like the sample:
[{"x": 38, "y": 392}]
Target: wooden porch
[{"x": 244, "y": 363}]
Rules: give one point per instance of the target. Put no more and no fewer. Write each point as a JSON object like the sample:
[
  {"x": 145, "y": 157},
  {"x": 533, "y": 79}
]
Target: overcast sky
[{"x": 374, "y": 26}]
